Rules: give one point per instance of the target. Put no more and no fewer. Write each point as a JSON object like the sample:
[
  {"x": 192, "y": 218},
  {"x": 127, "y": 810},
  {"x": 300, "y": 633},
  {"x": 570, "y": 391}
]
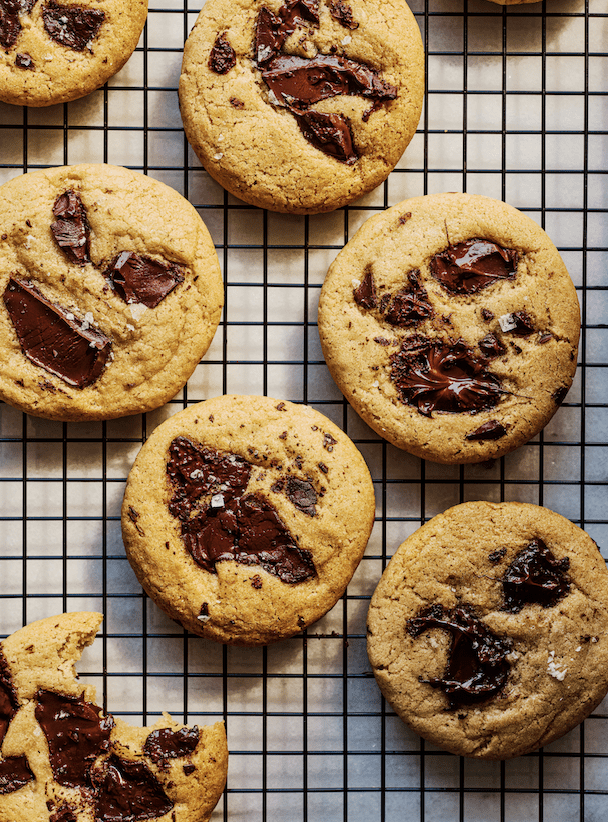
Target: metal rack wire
[{"x": 516, "y": 108}]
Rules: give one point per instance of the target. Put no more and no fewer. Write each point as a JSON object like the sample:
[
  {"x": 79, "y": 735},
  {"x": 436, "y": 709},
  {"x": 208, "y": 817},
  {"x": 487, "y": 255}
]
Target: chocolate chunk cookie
[
  {"x": 111, "y": 292},
  {"x": 244, "y": 518},
  {"x": 64, "y": 760},
  {"x": 53, "y": 52},
  {"x": 301, "y": 106},
  {"x": 488, "y": 630},
  {"x": 451, "y": 325}
]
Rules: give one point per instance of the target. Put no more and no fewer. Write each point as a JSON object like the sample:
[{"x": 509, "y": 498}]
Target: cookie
[
  {"x": 488, "y": 630},
  {"x": 451, "y": 325},
  {"x": 111, "y": 289},
  {"x": 244, "y": 518},
  {"x": 61, "y": 755},
  {"x": 304, "y": 105},
  {"x": 54, "y": 52}
]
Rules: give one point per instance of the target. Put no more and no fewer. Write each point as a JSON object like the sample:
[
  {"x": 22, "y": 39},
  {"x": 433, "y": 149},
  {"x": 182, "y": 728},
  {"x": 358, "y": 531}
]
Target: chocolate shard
[
  {"x": 52, "y": 338},
  {"x": 523, "y": 323},
  {"x": 164, "y": 744},
  {"x": 330, "y": 133},
  {"x": 8, "y": 697},
  {"x": 14, "y": 774},
  {"x": 491, "y": 430},
  {"x": 76, "y": 733},
  {"x": 477, "y": 668},
  {"x": 491, "y": 347},
  {"x": 222, "y": 57},
  {"x": 464, "y": 268},
  {"x": 141, "y": 279},
  {"x": 343, "y": 13},
  {"x": 365, "y": 293},
  {"x": 535, "y": 577},
  {"x": 71, "y": 229},
  {"x": 24, "y": 61},
  {"x": 409, "y": 306},
  {"x": 302, "y": 494},
  {"x": 128, "y": 792},
  {"x": 72, "y": 26},
  {"x": 10, "y": 24},
  {"x": 433, "y": 375}
]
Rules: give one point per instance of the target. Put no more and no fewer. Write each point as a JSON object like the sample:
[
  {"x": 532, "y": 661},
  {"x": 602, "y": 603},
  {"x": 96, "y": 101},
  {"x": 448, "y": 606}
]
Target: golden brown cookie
[
  {"x": 451, "y": 325},
  {"x": 111, "y": 288},
  {"x": 304, "y": 105},
  {"x": 62, "y": 756},
  {"x": 488, "y": 632},
  {"x": 53, "y": 52},
  {"x": 244, "y": 518}
]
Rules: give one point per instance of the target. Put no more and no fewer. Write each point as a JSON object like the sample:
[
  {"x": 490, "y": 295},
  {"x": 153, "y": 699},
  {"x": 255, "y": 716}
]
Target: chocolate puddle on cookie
[
  {"x": 14, "y": 774},
  {"x": 10, "y": 24},
  {"x": 220, "y": 521},
  {"x": 433, "y": 375},
  {"x": 165, "y": 744},
  {"x": 477, "y": 668},
  {"x": 535, "y": 576},
  {"x": 468, "y": 267},
  {"x": 128, "y": 791}
]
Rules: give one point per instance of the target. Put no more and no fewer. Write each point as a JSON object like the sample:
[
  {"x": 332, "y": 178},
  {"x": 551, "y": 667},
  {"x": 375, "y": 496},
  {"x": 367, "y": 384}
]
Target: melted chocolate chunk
[
  {"x": 222, "y": 57},
  {"x": 465, "y": 268},
  {"x": 189, "y": 768},
  {"x": 71, "y": 230},
  {"x": 535, "y": 576},
  {"x": 128, "y": 792},
  {"x": 436, "y": 376},
  {"x": 477, "y": 668},
  {"x": 302, "y": 495},
  {"x": 491, "y": 430},
  {"x": 76, "y": 734},
  {"x": 491, "y": 347},
  {"x": 63, "y": 814},
  {"x": 343, "y": 14},
  {"x": 330, "y": 133},
  {"x": 53, "y": 338},
  {"x": 143, "y": 280},
  {"x": 165, "y": 744},
  {"x": 273, "y": 29},
  {"x": 523, "y": 324},
  {"x": 14, "y": 774},
  {"x": 219, "y": 521},
  {"x": 560, "y": 395},
  {"x": 10, "y": 25},
  {"x": 365, "y": 293},
  {"x": 24, "y": 61},
  {"x": 72, "y": 26},
  {"x": 8, "y": 697},
  {"x": 410, "y": 305}
]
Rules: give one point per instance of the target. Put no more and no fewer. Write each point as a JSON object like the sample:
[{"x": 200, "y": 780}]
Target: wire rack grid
[{"x": 516, "y": 108}]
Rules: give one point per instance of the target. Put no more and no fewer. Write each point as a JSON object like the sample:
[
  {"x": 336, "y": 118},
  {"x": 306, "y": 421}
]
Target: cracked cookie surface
[
  {"x": 487, "y": 631},
  {"x": 451, "y": 325},
  {"x": 111, "y": 289},
  {"x": 244, "y": 518}
]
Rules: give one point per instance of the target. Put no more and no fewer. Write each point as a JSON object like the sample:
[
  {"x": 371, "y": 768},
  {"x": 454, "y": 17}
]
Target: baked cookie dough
[
  {"x": 304, "y": 105},
  {"x": 488, "y": 632},
  {"x": 451, "y": 325},
  {"x": 63, "y": 760},
  {"x": 111, "y": 289},
  {"x": 53, "y": 52},
  {"x": 244, "y": 518}
]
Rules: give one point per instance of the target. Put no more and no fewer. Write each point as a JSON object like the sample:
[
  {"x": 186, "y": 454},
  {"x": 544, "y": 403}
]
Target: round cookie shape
[
  {"x": 488, "y": 630},
  {"x": 54, "y": 52},
  {"x": 61, "y": 755},
  {"x": 451, "y": 325},
  {"x": 301, "y": 106},
  {"x": 244, "y": 518},
  {"x": 111, "y": 292}
]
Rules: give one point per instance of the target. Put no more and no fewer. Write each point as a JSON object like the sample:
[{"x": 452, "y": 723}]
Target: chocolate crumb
[{"x": 497, "y": 555}]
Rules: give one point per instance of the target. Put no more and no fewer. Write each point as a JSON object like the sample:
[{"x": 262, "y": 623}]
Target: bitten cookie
[
  {"x": 244, "y": 518},
  {"x": 451, "y": 325},
  {"x": 304, "y": 105},
  {"x": 56, "y": 52},
  {"x": 64, "y": 760},
  {"x": 111, "y": 292},
  {"x": 488, "y": 632}
]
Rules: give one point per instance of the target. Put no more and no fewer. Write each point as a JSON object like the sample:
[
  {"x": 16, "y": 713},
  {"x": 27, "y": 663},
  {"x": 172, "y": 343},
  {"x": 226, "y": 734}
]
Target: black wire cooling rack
[{"x": 516, "y": 108}]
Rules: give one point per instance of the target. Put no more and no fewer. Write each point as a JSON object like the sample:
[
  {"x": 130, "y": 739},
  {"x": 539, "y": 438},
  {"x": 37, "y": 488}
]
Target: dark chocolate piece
[
  {"x": 433, "y": 375},
  {"x": 343, "y": 14},
  {"x": 302, "y": 494},
  {"x": 52, "y": 338},
  {"x": 330, "y": 133},
  {"x": 497, "y": 555},
  {"x": 464, "y": 268},
  {"x": 491, "y": 430},
  {"x": 10, "y": 25},
  {"x": 409, "y": 306},
  {"x": 76, "y": 734},
  {"x": 273, "y": 29},
  {"x": 545, "y": 337},
  {"x": 189, "y": 768},
  {"x": 365, "y": 293},
  {"x": 24, "y": 61},
  {"x": 8, "y": 697},
  {"x": 222, "y": 57},
  {"x": 143, "y": 280},
  {"x": 72, "y": 26},
  {"x": 486, "y": 314},
  {"x": 535, "y": 576},
  {"x": 523, "y": 324},
  {"x": 71, "y": 229},
  {"x": 164, "y": 744},
  {"x": 560, "y": 394},
  {"x": 63, "y": 814},
  {"x": 477, "y": 668},
  {"x": 491, "y": 347},
  {"x": 14, "y": 774},
  {"x": 128, "y": 792},
  {"x": 219, "y": 521}
]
